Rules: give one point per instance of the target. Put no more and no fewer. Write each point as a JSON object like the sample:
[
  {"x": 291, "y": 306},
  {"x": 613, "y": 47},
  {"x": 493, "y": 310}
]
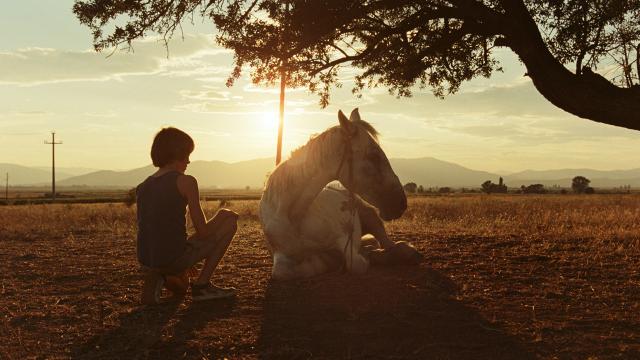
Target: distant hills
[
  {"x": 426, "y": 171},
  {"x": 24, "y": 175}
]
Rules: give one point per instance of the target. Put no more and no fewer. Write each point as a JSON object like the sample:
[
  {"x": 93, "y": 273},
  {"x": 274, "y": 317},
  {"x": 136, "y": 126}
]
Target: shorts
[{"x": 194, "y": 252}]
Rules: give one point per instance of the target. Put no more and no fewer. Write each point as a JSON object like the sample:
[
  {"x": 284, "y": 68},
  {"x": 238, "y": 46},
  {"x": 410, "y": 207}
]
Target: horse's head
[{"x": 371, "y": 175}]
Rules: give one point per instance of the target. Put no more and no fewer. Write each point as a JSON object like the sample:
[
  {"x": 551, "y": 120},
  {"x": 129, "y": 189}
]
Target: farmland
[{"x": 504, "y": 276}]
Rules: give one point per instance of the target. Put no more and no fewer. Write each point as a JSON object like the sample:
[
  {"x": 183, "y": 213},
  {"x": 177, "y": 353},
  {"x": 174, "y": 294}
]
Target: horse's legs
[{"x": 372, "y": 224}]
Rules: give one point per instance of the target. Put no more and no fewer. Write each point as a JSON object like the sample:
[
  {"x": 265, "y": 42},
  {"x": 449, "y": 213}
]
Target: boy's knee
[
  {"x": 228, "y": 214},
  {"x": 229, "y": 220}
]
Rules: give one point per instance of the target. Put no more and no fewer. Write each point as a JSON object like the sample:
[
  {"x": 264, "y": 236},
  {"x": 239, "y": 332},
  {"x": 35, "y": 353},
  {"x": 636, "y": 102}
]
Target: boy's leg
[
  {"x": 223, "y": 227},
  {"x": 151, "y": 287}
]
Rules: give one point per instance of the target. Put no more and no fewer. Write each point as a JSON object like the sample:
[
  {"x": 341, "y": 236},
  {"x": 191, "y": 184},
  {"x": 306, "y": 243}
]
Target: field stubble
[{"x": 503, "y": 277}]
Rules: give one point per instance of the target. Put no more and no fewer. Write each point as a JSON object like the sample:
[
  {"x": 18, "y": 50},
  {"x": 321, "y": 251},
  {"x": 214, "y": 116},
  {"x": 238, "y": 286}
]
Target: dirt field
[{"x": 503, "y": 277}]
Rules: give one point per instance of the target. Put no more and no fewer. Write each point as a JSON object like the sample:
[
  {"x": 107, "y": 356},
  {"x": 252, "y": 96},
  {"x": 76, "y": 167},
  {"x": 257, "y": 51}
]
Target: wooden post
[
  {"x": 6, "y": 190},
  {"x": 53, "y": 164}
]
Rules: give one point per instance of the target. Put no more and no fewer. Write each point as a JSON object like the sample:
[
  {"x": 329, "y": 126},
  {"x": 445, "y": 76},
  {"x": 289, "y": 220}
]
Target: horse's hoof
[
  {"x": 379, "y": 257},
  {"x": 403, "y": 253}
]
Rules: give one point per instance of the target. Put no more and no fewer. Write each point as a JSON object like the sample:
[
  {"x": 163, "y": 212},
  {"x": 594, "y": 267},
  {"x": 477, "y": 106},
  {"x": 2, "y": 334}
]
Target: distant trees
[
  {"x": 410, "y": 187},
  {"x": 533, "y": 189},
  {"x": 131, "y": 197},
  {"x": 489, "y": 187},
  {"x": 580, "y": 185}
]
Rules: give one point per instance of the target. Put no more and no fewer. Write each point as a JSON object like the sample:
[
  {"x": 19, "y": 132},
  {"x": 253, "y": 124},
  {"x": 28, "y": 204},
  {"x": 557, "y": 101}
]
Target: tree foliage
[
  {"x": 410, "y": 187},
  {"x": 579, "y": 184},
  {"x": 533, "y": 189},
  {"x": 400, "y": 44},
  {"x": 489, "y": 187}
]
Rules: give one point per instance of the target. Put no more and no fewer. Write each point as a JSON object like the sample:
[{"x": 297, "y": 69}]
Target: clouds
[
  {"x": 108, "y": 108},
  {"x": 520, "y": 115},
  {"x": 36, "y": 66}
]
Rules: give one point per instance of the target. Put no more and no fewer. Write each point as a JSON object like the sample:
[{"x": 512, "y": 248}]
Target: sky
[{"x": 106, "y": 109}]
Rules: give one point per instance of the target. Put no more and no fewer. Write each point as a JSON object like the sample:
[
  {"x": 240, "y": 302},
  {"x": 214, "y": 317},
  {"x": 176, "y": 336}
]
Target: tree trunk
[{"x": 588, "y": 95}]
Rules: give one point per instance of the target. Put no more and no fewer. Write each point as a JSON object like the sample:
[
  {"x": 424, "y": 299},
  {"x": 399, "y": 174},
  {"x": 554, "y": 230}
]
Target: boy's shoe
[
  {"x": 210, "y": 291},
  {"x": 152, "y": 288}
]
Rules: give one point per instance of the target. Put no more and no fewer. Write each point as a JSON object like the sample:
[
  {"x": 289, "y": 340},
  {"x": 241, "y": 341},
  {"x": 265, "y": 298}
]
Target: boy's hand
[{"x": 178, "y": 284}]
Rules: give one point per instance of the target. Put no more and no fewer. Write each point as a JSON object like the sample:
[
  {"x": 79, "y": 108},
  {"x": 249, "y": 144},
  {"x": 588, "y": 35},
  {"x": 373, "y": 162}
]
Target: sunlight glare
[{"x": 269, "y": 121}]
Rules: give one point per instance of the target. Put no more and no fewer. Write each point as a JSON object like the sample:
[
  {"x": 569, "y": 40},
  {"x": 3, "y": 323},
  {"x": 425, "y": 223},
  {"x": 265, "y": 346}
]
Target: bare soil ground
[{"x": 504, "y": 277}]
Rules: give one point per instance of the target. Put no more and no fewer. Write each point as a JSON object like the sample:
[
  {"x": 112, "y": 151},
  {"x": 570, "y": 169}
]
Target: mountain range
[{"x": 426, "y": 171}]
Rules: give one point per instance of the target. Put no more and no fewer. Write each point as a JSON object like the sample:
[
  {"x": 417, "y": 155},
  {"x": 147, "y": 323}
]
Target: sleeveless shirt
[{"x": 162, "y": 230}]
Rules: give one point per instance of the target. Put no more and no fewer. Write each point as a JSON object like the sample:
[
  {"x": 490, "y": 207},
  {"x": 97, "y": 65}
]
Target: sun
[{"x": 269, "y": 121}]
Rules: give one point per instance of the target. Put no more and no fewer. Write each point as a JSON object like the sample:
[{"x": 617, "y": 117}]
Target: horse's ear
[
  {"x": 345, "y": 124},
  {"x": 355, "y": 115}
]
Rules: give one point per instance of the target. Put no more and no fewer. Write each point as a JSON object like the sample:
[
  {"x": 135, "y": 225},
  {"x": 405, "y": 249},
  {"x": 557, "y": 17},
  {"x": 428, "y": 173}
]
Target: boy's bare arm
[{"x": 188, "y": 187}]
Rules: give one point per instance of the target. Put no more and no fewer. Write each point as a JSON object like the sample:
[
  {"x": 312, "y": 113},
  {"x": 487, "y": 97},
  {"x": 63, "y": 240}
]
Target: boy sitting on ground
[{"x": 163, "y": 246}]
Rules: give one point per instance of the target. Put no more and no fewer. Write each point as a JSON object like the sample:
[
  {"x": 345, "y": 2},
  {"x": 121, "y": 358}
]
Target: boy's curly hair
[{"x": 170, "y": 144}]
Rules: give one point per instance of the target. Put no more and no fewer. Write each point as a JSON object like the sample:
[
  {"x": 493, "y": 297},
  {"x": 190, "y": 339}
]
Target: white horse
[{"x": 312, "y": 228}]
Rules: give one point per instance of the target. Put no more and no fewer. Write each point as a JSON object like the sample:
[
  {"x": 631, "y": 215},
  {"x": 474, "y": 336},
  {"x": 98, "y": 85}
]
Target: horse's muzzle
[{"x": 395, "y": 205}]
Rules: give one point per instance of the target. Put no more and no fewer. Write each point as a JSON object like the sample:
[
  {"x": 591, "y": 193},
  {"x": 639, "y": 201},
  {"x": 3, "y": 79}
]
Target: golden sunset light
[
  {"x": 269, "y": 121},
  {"x": 57, "y": 82},
  {"x": 319, "y": 179}
]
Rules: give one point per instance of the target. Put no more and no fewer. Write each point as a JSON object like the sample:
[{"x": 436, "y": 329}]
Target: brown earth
[{"x": 503, "y": 277}]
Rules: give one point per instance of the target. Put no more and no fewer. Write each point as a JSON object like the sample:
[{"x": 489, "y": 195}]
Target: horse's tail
[{"x": 286, "y": 267}]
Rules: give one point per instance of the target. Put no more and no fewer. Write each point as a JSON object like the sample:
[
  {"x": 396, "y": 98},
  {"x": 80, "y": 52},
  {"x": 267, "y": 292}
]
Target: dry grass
[{"x": 504, "y": 276}]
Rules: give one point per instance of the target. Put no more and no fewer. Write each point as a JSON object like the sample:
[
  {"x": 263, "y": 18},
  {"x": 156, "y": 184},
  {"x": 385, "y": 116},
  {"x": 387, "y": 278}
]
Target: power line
[{"x": 53, "y": 163}]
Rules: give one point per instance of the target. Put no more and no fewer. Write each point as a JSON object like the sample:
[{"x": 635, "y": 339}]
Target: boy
[{"x": 162, "y": 244}]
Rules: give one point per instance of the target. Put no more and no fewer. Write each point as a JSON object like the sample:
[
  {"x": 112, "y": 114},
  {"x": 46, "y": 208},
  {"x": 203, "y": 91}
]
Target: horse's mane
[
  {"x": 368, "y": 128},
  {"x": 319, "y": 137},
  {"x": 310, "y": 157}
]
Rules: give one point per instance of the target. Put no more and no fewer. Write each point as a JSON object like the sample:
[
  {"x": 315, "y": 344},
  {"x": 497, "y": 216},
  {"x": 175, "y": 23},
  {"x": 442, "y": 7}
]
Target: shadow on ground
[
  {"x": 400, "y": 312},
  {"x": 153, "y": 332}
]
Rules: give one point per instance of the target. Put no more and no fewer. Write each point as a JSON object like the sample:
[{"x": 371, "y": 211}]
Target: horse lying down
[{"x": 312, "y": 228}]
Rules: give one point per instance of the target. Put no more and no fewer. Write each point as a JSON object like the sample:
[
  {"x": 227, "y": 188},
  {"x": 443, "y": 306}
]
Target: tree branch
[{"x": 587, "y": 95}]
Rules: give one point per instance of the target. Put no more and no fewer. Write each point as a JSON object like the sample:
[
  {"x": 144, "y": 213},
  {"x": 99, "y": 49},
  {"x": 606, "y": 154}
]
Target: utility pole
[
  {"x": 53, "y": 163},
  {"x": 6, "y": 189}
]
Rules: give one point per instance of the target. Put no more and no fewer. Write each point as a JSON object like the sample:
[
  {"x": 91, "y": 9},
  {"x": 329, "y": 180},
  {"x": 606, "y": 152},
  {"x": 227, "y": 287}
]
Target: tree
[
  {"x": 489, "y": 187},
  {"x": 579, "y": 184},
  {"x": 534, "y": 189},
  {"x": 401, "y": 43},
  {"x": 410, "y": 188}
]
